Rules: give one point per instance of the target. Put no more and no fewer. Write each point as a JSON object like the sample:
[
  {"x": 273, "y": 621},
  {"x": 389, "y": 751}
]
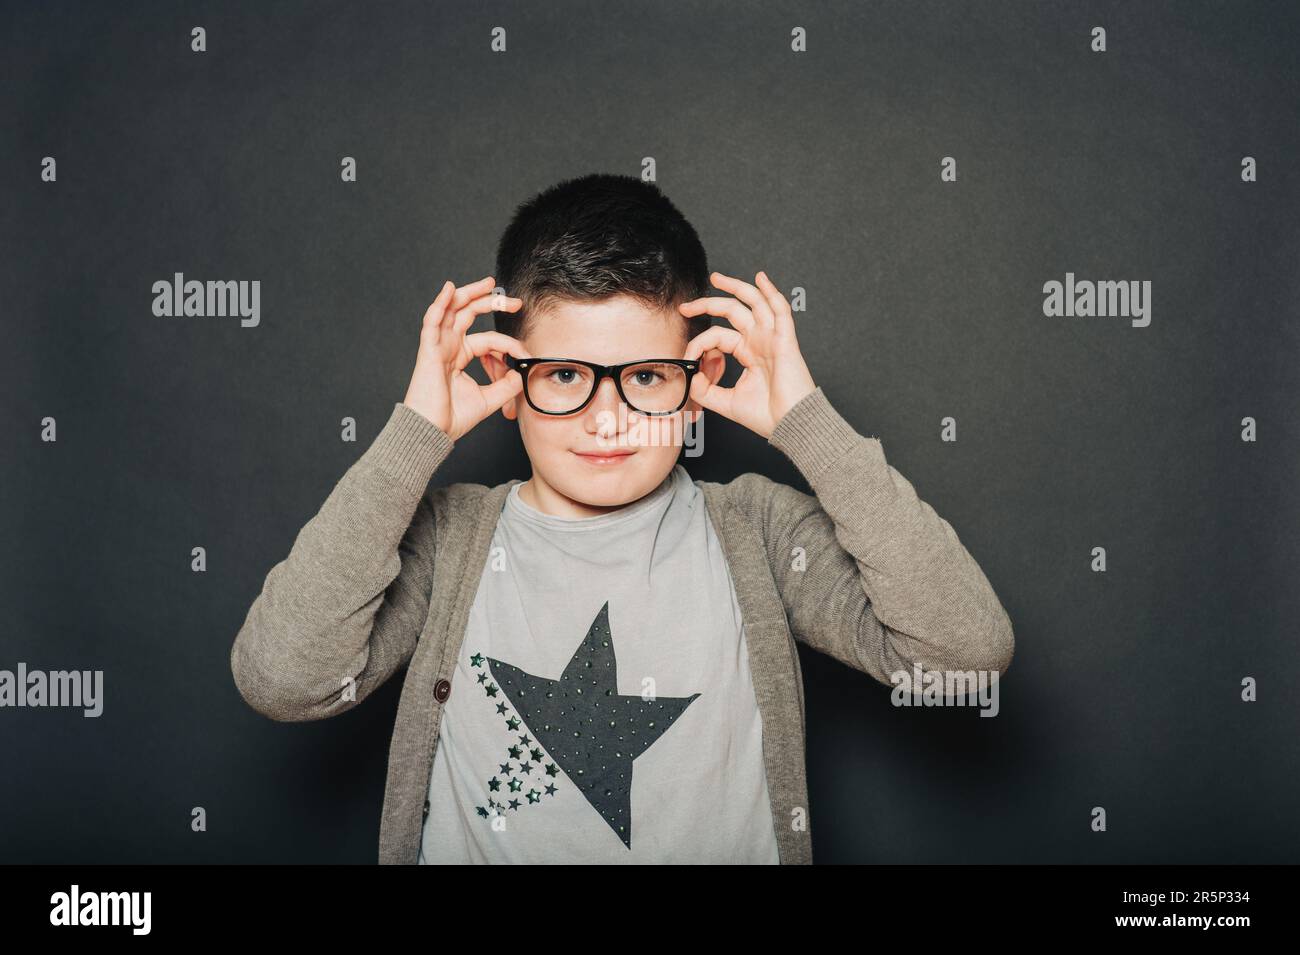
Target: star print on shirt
[{"x": 584, "y": 723}]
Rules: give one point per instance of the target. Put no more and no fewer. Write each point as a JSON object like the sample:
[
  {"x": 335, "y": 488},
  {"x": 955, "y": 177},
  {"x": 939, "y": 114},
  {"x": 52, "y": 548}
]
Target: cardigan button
[
  {"x": 441, "y": 690},
  {"x": 426, "y": 809}
]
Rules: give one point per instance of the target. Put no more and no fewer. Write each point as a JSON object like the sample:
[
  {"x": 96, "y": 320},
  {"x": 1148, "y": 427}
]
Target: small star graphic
[{"x": 476, "y": 659}]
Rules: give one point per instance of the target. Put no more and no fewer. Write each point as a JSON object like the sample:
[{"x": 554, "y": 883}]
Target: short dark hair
[{"x": 595, "y": 237}]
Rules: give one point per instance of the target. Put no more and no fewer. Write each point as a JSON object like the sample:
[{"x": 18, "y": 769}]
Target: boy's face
[{"x": 568, "y": 480}]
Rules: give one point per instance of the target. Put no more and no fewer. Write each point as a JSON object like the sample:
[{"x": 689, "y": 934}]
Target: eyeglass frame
[{"x": 522, "y": 365}]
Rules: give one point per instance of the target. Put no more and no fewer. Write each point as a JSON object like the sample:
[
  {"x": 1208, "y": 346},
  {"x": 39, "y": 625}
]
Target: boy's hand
[
  {"x": 440, "y": 389},
  {"x": 775, "y": 376}
]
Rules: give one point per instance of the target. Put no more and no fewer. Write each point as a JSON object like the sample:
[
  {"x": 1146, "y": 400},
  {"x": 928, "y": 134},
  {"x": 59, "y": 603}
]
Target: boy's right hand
[{"x": 440, "y": 389}]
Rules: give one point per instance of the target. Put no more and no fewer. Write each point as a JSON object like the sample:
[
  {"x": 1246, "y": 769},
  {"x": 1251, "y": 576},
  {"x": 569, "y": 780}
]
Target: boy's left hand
[{"x": 763, "y": 340}]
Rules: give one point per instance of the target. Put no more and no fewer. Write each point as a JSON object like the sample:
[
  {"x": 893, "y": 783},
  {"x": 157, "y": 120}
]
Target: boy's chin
[{"x": 609, "y": 485}]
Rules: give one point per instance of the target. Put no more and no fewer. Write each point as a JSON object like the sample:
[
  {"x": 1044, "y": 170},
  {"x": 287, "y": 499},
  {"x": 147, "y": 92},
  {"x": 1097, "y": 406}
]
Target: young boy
[{"x": 600, "y": 660}]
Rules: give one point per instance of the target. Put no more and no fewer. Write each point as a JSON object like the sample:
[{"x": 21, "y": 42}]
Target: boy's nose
[{"x": 605, "y": 401}]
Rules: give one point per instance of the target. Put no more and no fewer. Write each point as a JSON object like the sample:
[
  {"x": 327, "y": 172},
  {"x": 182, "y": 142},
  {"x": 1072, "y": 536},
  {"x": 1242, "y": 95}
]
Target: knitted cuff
[
  {"x": 409, "y": 449},
  {"x": 813, "y": 435}
]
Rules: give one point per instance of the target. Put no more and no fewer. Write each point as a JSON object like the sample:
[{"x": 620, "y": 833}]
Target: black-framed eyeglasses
[{"x": 560, "y": 386}]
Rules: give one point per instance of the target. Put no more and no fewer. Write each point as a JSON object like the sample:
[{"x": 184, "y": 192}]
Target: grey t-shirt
[{"x": 602, "y": 708}]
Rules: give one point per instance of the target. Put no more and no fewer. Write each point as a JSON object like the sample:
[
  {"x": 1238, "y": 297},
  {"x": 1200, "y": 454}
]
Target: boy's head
[{"x": 601, "y": 264}]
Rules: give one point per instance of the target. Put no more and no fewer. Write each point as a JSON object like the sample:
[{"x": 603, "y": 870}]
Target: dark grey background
[{"x": 924, "y": 301}]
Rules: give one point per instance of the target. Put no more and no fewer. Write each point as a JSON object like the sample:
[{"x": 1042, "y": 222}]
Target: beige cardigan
[{"x": 385, "y": 573}]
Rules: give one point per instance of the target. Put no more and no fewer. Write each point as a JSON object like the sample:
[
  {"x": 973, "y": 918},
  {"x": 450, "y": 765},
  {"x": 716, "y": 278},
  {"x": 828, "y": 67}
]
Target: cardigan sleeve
[
  {"x": 867, "y": 571},
  {"x": 344, "y": 610}
]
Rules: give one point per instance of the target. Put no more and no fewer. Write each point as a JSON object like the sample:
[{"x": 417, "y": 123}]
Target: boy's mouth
[{"x": 605, "y": 459}]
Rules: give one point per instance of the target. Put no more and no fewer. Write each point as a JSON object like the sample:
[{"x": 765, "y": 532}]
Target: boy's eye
[
  {"x": 563, "y": 376},
  {"x": 648, "y": 376}
]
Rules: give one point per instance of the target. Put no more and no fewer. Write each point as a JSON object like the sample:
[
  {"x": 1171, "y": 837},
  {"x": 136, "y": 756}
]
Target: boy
[{"x": 600, "y": 660}]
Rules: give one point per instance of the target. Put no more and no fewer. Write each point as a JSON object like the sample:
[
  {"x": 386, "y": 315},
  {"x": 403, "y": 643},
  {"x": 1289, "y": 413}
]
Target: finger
[
  {"x": 497, "y": 393},
  {"x": 776, "y": 302},
  {"x": 463, "y": 294},
  {"x": 467, "y": 292},
  {"x": 433, "y": 314},
  {"x": 711, "y": 396},
  {"x": 747, "y": 294},
  {"x": 705, "y": 392},
  {"x": 723, "y": 339},
  {"x": 723, "y": 307},
  {"x": 481, "y": 343},
  {"x": 484, "y": 303}
]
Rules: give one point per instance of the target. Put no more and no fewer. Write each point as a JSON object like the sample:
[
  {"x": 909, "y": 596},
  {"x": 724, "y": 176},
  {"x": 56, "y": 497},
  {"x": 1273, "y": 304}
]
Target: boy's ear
[
  {"x": 713, "y": 363},
  {"x": 497, "y": 369}
]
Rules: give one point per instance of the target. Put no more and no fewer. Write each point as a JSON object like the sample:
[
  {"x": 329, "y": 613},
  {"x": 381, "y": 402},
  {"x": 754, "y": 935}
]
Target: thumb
[
  {"x": 711, "y": 396},
  {"x": 502, "y": 390}
]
